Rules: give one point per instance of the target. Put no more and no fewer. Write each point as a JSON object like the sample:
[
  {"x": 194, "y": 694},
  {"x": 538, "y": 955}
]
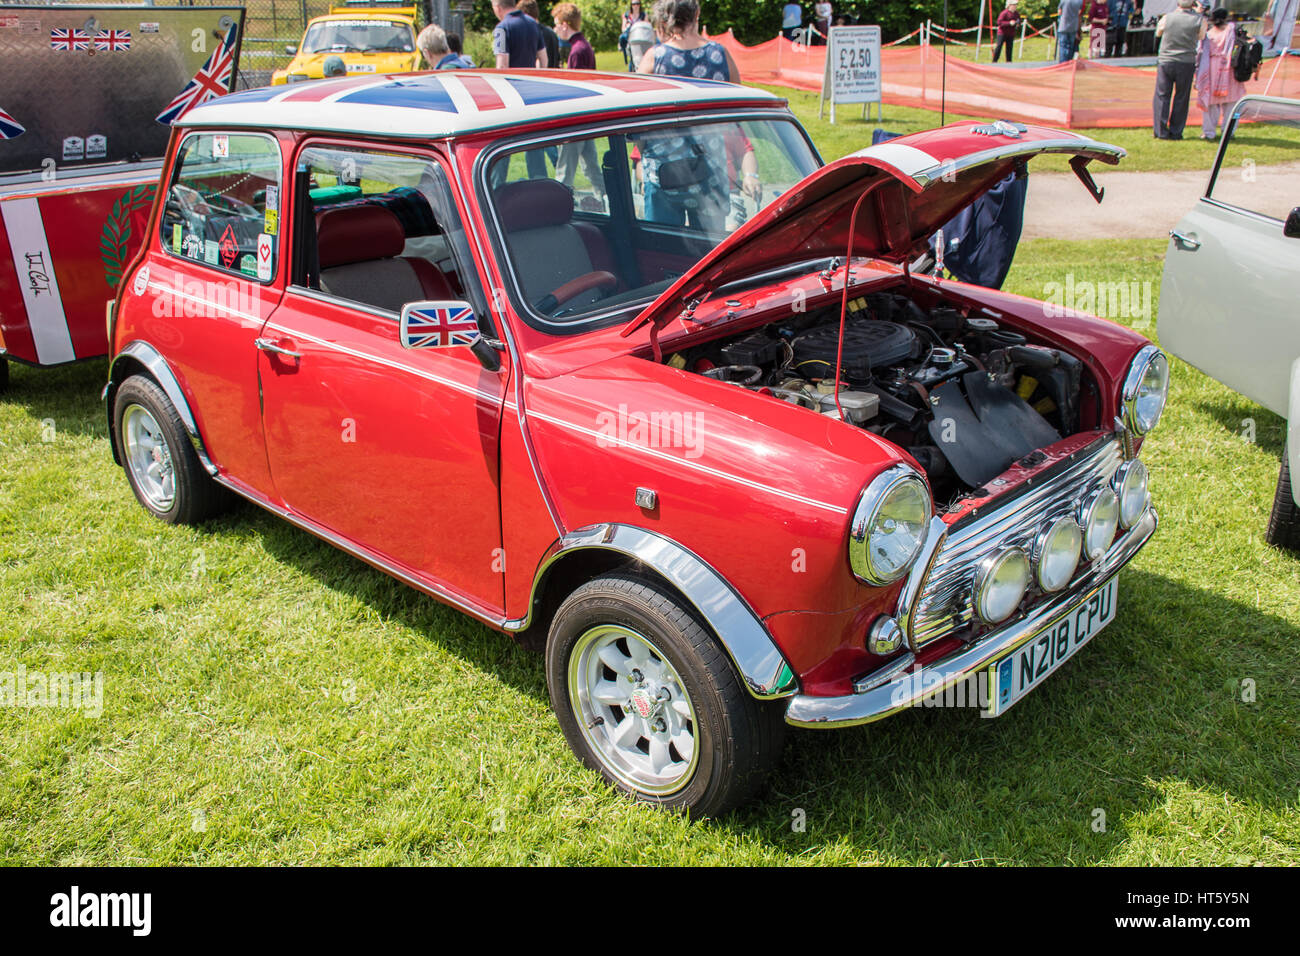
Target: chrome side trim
[
  {"x": 152, "y": 360},
  {"x": 903, "y": 690},
  {"x": 747, "y": 642}
]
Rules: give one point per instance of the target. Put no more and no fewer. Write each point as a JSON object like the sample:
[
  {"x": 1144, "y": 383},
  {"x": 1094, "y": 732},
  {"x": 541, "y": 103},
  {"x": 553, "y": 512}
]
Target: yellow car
[{"x": 367, "y": 40}]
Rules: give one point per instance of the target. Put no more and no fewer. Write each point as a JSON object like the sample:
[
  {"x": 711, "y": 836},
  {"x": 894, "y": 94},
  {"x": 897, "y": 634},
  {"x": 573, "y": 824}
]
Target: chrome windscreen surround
[{"x": 945, "y": 603}]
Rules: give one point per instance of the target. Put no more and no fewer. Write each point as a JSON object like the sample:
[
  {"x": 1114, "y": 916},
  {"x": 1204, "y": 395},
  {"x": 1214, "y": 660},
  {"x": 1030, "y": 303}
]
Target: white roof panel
[{"x": 453, "y": 102}]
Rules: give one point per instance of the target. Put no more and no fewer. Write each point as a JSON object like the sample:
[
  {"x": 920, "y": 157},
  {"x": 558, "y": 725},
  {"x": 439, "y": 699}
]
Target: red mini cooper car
[{"x": 616, "y": 365}]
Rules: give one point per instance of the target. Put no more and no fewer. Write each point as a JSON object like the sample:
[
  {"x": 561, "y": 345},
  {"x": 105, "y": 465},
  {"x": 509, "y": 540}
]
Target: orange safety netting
[{"x": 1080, "y": 94}]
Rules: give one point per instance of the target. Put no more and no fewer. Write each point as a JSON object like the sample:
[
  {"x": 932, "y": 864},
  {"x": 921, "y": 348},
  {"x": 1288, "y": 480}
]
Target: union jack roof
[{"x": 453, "y": 102}]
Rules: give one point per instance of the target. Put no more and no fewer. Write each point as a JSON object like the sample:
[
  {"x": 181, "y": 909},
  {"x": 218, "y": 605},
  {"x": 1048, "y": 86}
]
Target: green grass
[{"x": 268, "y": 699}]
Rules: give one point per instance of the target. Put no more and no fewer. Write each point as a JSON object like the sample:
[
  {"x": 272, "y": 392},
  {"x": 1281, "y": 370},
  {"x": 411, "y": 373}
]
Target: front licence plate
[{"x": 1014, "y": 676}]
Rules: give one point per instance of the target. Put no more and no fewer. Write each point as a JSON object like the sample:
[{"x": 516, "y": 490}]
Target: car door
[
  {"x": 208, "y": 282},
  {"x": 1228, "y": 297},
  {"x": 393, "y": 452}
]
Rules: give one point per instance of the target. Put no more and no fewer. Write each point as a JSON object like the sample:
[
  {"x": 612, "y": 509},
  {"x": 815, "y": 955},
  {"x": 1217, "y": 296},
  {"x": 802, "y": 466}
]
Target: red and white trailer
[{"x": 86, "y": 107}]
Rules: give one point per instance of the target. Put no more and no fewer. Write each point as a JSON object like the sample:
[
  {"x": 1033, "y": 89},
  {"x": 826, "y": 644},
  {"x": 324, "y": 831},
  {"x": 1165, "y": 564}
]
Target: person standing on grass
[
  {"x": 517, "y": 44},
  {"x": 1098, "y": 20},
  {"x": 1120, "y": 10},
  {"x": 1008, "y": 24},
  {"x": 632, "y": 15},
  {"x": 438, "y": 55},
  {"x": 825, "y": 12},
  {"x": 1179, "y": 33},
  {"x": 1067, "y": 30},
  {"x": 698, "y": 195},
  {"x": 684, "y": 52},
  {"x": 568, "y": 26},
  {"x": 1217, "y": 88},
  {"x": 517, "y": 39},
  {"x": 454, "y": 43},
  {"x": 549, "y": 39}
]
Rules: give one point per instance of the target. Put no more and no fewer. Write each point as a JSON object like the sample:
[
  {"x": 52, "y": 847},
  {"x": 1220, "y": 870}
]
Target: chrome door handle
[
  {"x": 1186, "y": 241},
  {"x": 267, "y": 345}
]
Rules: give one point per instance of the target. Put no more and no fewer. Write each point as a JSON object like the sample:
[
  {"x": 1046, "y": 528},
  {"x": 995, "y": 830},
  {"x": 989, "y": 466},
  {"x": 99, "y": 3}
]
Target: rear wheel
[
  {"x": 647, "y": 697},
  {"x": 4, "y": 375},
  {"x": 161, "y": 465},
  {"x": 1284, "y": 521}
]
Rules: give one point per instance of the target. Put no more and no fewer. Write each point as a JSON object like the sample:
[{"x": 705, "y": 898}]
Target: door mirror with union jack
[{"x": 439, "y": 325}]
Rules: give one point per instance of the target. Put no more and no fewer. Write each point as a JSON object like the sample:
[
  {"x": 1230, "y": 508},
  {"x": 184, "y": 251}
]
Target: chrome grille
[{"x": 945, "y": 604}]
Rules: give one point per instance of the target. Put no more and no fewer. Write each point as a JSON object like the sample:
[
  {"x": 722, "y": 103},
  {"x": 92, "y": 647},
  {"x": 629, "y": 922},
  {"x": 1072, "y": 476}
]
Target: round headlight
[
  {"x": 889, "y": 526},
  {"x": 1056, "y": 553},
  {"x": 1099, "y": 518},
  {"x": 1145, "y": 389},
  {"x": 1000, "y": 585},
  {"x": 1130, "y": 483}
]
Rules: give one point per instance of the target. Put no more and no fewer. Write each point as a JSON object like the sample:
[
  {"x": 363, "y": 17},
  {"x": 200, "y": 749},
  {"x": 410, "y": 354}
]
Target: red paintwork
[
  {"x": 75, "y": 217},
  {"x": 441, "y": 485}
]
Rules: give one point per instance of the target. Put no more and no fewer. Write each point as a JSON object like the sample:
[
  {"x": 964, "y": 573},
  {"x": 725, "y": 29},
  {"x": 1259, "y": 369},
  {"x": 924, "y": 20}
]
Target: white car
[{"x": 1230, "y": 299}]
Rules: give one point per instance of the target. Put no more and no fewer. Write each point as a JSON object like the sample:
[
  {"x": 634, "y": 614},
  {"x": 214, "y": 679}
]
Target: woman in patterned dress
[
  {"x": 1217, "y": 88},
  {"x": 685, "y": 52},
  {"x": 684, "y": 177}
]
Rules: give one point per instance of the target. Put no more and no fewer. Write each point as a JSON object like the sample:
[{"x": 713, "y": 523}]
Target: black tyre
[
  {"x": 1284, "y": 521},
  {"x": 647, "y": 697},
  {"x": 160, "y": 462},
  {"x": 4, "y": 376}
]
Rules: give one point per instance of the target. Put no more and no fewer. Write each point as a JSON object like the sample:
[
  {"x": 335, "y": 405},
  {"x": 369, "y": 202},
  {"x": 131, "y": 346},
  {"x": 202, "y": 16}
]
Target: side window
[
  {"x": 381, "y": 229},
  {"x": 577, "y": 162},
  {"x": 223, "y": 205},
  {"x": 1260, "y": 169}
]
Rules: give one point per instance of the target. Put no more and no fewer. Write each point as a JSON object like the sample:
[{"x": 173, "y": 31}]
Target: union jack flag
[
  {"x": 209, "y": 83},
  {"x": 69, "y": 40},
  {"x": 113, "y": 40},
  {"x": 439, "y": 327},
  {"x": 10, "y": 127}
]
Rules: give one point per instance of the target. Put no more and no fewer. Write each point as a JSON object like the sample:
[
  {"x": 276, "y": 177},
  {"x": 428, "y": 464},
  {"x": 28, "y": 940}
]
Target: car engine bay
[{"x": 964, "y": 394}]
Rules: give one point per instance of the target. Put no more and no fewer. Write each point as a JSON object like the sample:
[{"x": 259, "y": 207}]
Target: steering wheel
[{"x": 576, "y": 287}]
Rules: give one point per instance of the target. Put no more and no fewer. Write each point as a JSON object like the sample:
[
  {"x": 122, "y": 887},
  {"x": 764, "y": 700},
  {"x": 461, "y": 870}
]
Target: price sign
[{"x": 852, "y": 68}]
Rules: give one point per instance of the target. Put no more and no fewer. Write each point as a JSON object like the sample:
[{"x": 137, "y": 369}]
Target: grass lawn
[{"x": 268, "y": 699}]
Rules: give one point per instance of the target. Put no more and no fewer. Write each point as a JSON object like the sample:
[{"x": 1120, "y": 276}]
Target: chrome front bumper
[{"x": 900, "y": 690}]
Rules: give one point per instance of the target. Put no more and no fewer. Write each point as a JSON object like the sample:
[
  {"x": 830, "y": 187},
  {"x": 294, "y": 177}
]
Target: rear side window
[{"x": 223, "y": 205}]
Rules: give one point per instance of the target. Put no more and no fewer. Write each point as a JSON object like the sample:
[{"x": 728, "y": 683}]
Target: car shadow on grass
[
  {"x": 1248, "y": 421},
  {"x": 66, "y": 395},
  {"x": 1151, "y": 710},
  {"x": 451, "y": 630}
]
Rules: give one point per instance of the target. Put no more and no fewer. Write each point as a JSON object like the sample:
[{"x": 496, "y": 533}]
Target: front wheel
[
  {"x": 161, "y": 465},
  {"x": 1284, "y": 521},
  {"x": 647, "y": 697}
]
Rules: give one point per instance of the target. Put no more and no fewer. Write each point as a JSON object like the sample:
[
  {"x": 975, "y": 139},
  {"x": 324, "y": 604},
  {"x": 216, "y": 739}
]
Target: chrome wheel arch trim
[
  {"x": 158, "y": 369},
  {"x": 747, "y": 642}
]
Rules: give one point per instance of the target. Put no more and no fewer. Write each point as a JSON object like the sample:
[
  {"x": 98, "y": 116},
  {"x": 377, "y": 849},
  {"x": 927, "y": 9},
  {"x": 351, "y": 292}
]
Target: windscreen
[{"x": 596, "y": 225}]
